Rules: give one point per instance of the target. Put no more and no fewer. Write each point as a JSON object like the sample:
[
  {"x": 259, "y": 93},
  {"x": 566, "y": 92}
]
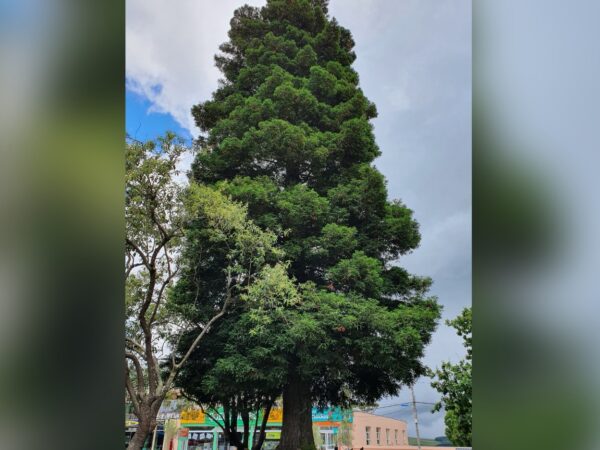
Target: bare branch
[
  {"x": 131, "y": 391},
  {"x": 208, "y": 325},
  {"x": 138, "y": 370},
  {"x": 129, "y": 268},
  {"x": 175, "y": 367},
  {"x": 159, "y": 296},
  {"x": 138, "y": 251},
  {"x": 135, "y": 346},
  {"x": 165, "y": 236}
]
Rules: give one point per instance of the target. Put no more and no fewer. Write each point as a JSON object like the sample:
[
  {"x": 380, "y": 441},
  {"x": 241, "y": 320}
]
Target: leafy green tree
[
  {"x": 238, "y": 374},
  {"x": 288, "y": 134},
  {"x": 454, "y": 382},
  {"x": 158, "y": 211},
  {"x": 443, "y": 441}
]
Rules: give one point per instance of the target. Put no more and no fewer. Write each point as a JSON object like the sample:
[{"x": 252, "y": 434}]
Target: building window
[
  {"x": 387, "y": 436},
  {"x": 396, "y": 437},
  {"x": 403, "y": 436},
  {"x": 368, "y": 435},
  {"x": 378, "y": 431}
]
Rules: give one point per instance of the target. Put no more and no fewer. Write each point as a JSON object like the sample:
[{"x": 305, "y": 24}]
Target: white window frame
[
  {"x": 368, "y": 435},
  {"x": 378, "y": 435}
]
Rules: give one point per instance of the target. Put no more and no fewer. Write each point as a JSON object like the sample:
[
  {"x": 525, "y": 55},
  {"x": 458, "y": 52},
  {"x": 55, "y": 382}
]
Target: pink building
[
  {"x": 373, "y": 432},
  {"x": 370, "y": 431}
]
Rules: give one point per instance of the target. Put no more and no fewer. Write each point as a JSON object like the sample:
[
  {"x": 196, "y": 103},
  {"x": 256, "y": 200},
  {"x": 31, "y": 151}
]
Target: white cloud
[
  {"x": 170, "y": 48},
  {"x": 183, "y": 166}
]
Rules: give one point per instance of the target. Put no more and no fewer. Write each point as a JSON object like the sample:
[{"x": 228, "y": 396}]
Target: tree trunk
[
  {"x": 296, "y": 429},
  {"x": 230, "y": 432},
  {"x": 141, "y": 434},
  {"x": 146, "y": 423},
  {"x": 246, "y": 419},
  {"x": 257, "y": 445}
]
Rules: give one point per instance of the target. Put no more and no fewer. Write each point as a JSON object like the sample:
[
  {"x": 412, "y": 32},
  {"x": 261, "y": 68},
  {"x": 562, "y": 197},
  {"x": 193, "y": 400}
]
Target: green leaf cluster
[{"x": 454, "y": 382}]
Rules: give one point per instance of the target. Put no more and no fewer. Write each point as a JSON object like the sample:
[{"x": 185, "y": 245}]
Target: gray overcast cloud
[{"x": 414, "y": 62}]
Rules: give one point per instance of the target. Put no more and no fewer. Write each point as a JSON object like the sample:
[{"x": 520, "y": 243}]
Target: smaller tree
[
  {"x": 158, "y": 210},
  {"x": 454, "y": 382},
  {"x": 239, "y": 375}
]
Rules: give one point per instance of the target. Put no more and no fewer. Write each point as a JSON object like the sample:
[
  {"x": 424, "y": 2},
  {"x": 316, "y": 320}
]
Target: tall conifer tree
[{"x": 288, "y": 133}]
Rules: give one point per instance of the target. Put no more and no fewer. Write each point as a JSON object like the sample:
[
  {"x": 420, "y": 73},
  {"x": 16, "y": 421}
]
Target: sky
[{"x": 414, "y": 62}]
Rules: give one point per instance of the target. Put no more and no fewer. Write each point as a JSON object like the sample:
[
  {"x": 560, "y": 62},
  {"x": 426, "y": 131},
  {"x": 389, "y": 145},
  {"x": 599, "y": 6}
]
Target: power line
[{"x": 404, "y": 404}]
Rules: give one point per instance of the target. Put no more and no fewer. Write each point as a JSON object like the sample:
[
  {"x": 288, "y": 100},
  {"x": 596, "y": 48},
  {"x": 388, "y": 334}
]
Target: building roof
[{"x": 378, "y": 415}]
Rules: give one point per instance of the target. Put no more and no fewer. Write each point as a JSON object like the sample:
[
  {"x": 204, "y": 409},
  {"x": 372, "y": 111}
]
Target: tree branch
[
  {"x": 138, "y": 370},
  {"x": 131, "y": 392},
  {"x": 159, "y": 296},
  {"x": 135, "y": 346},
  {"x": 175, "y": 367},
  {"x": 207, "y": 326},
  {"x": 138, "y": 251},
  {"x": 131, "y": 267}
]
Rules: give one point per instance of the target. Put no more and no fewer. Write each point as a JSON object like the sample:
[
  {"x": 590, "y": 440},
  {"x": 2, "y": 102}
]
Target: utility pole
[
  {"x": 414, "y": 403},
  {"x": 154, "y": 438}
]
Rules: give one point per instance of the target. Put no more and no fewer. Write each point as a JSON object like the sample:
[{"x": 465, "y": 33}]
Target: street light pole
[{"x": 414, "y": 403}]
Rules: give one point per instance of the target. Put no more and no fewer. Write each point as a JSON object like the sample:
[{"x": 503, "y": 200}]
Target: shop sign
[
  {"x": 333, "y": 425},
  {"x": 318, "y": 415},
  {"x": 168, "y": 410},
  {"x": 331, "y": 415},
  {"x": 192, "y": 416},
  {"x": 276, "y": 415},
  {"x": 273, "y": 435}
]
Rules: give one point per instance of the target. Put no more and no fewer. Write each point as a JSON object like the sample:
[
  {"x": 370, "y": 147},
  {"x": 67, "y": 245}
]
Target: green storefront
[
  {"x": 194, "y": 430},
  {"x": 204, "y": 433}
]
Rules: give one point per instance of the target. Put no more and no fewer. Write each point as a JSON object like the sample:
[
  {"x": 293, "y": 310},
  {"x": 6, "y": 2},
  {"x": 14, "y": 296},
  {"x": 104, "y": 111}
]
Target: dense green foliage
[
  {"x": 165, "y": 221},
  {"x": 288, "y": 134},
  {"x": 228, "y": 264},
  {"x": 454, "y": 382}
]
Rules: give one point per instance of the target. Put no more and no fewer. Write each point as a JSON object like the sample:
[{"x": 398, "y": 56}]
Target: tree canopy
[
  {"x": 164, "y": 222},
  {"x": 454, "y": 382},
  {"x": 288, "y": 133}
]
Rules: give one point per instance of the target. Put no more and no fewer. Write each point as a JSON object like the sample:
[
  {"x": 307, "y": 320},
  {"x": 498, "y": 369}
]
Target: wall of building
[
  {"x": 363, "y": 421},
  {"x": 409, "y": 447}
]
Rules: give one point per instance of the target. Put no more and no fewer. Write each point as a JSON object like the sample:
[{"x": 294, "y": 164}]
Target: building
[
  {"x": 191, "y": 429},
  {"x": 370, "y": 431}
]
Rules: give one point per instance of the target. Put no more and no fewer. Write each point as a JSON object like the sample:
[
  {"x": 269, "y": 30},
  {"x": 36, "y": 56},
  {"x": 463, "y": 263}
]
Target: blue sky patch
[{"x": 143, "y": 125}]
